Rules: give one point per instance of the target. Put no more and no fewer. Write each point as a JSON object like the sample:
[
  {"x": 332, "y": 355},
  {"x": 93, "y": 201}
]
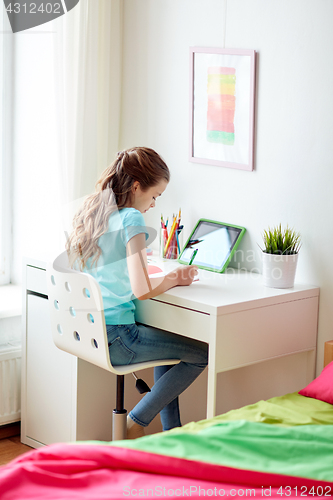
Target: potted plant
[{"x": 279, "y": 256}]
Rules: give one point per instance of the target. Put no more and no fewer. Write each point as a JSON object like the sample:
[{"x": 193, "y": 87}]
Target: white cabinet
[{"x": 48, "y": 379}]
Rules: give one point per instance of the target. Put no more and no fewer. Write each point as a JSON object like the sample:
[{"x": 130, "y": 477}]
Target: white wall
[{"x": 293, "y": 176}]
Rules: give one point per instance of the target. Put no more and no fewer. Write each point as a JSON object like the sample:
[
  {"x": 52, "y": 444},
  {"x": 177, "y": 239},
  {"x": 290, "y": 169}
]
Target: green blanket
[
  {"x": 289, "y": 410},
  {"x": 303, "y": 451},
  {"x": 299, "y": 444}
]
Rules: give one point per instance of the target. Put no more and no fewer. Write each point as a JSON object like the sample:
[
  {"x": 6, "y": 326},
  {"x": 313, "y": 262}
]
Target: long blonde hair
[{"x": 112, "y": 191}]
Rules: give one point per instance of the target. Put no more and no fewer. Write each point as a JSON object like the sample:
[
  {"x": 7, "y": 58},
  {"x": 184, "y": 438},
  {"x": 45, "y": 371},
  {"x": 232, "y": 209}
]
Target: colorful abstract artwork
[
  {"x": 221, "y": 101},
  {"x": 222, "y": 107}
]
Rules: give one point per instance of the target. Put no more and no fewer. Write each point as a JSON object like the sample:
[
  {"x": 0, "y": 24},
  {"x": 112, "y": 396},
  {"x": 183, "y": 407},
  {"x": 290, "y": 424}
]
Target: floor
[{"x": 10, "y": 445}]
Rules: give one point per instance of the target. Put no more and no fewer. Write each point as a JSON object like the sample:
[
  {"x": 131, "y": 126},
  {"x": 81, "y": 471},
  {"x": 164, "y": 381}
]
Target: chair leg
[{"x": 119, "y": 414}]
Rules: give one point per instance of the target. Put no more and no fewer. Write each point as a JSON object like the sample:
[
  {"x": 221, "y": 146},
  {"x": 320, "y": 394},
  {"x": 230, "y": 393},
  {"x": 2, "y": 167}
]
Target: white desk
[
  {"x": 242, "y": 321},
  {"x": 66, "y": 399}
]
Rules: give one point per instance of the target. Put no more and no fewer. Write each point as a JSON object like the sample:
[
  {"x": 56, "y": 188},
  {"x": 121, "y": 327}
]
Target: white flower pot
[{"x": 279, "y": 270}]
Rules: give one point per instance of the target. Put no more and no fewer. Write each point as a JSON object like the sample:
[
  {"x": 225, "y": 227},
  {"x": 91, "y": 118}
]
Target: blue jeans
[{"x": 137, "y": 343}]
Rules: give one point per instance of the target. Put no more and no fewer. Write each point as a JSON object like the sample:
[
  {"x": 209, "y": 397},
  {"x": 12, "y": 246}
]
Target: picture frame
[{"x": 222, "y": 98}]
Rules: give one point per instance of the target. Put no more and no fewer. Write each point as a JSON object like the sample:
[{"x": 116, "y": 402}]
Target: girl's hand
[
  {"x": 146, "y": 287},
  {"x": 185, "y": 275}
]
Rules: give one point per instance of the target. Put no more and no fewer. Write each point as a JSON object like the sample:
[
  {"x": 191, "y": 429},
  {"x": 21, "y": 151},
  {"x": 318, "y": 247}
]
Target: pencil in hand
[{"x": 193, "y": 256}]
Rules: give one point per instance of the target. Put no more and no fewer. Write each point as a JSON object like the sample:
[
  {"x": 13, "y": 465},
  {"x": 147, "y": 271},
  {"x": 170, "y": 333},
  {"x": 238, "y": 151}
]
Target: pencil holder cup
[{"x": 171, "y": 250}]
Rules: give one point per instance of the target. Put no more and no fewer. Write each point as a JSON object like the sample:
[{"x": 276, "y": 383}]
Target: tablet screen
[{"x": 212, "y": 244}]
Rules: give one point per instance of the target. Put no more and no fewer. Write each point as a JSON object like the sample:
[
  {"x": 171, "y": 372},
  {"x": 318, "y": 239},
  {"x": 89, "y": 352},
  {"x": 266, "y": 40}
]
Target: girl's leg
[
  {"x": 170, "y": 416},
  {"x": 138, "y": 343}
]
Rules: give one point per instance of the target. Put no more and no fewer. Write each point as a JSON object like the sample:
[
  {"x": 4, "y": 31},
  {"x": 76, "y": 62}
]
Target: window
[{"x": 6, "y": 59}]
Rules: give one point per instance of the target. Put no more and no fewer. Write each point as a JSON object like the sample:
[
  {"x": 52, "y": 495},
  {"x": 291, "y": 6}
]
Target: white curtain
[{"x": 88, "y": 54}]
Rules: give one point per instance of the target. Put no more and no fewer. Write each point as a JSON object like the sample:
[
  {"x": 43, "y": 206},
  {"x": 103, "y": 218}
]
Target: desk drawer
[
  {"x": 264, "y": 333},
  {"x": 36, "y": 280},
  {"x": 173, "y": 319}
]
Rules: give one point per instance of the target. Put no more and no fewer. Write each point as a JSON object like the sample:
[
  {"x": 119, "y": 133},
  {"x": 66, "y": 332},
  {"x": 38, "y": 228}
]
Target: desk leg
[
  {"x": 311, "y": 366},
  {"x": 211, "y": 382},
  {"x": 211, "y": 394}
]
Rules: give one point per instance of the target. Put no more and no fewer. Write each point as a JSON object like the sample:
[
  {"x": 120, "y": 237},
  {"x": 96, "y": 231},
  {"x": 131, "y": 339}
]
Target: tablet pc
[{"x": 212, "y": 244}]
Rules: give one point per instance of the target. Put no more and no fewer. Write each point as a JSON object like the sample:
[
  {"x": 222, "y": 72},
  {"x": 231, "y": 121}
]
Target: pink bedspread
[{"x": 97, "y": 472}]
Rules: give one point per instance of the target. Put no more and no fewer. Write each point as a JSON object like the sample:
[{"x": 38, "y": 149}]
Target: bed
[{"x": 282, "y": 447}]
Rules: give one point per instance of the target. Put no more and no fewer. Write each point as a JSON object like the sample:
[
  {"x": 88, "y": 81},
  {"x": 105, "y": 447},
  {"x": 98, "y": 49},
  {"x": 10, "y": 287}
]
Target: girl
[{"x": 109, "y": 241}]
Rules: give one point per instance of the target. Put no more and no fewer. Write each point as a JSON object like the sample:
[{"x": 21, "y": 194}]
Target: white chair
[{"x": 78, "y": 327}]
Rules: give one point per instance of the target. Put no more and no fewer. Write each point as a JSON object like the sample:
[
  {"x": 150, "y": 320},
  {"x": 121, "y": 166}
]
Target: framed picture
[{"x": 222, "y": 87}]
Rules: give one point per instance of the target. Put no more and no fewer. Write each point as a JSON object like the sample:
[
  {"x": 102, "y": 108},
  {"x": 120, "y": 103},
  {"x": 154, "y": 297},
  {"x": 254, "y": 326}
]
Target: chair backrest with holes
[{"x": 77, "y": 314}]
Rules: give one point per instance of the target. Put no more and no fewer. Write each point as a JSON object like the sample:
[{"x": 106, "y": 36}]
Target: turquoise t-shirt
[{"x": 111, "y": 271}]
